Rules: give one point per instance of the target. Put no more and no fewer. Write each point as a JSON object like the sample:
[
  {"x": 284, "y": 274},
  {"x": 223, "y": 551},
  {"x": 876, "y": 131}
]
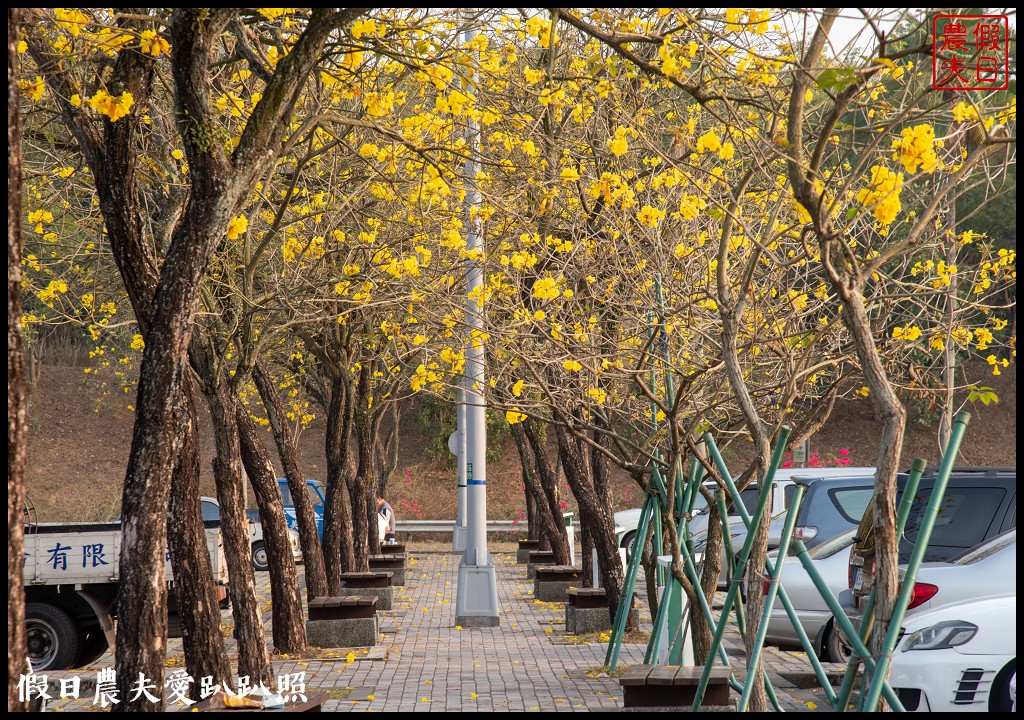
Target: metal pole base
[
  {"x": 459, "y": 538},
  {"x": 476, "y": 596}
]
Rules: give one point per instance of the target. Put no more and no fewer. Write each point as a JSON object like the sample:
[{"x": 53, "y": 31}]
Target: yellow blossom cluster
[
  {"x": 237, "y": 227},
  {"x": 153, "y": 44},
  {"x": 32, "y": 90},
  {"x": 546, "y": 289},
  {"x": 884, "y": 195},
  {"x": 114, "y": 107},
  {"x": 55, "y": 288},
  {"x": 916, "y": 148},
  {"x": 908, "y": 333}
]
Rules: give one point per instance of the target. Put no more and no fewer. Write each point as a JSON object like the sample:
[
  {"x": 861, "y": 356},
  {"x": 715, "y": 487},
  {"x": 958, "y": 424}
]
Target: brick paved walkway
[{"x": 424, "y": 662}]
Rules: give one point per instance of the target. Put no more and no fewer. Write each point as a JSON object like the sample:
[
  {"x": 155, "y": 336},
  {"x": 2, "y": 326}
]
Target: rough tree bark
[
  {"x": 289, "y": 627},
  {"x": 287, "y": 448},
  {"x": 536, "y": 475},
  {"x": 220, "y": 183},
  {"x": 550, "y": 508},
  {"x": 16, "y": 400},
  {"x": 205, "y": 654},
  {"x": 113, "y": 160},
  {"x": 253, "y": 659},
  {"x": 595, "y": 512},
  {"x": 339, "y": 555},
  {"x": 362, "y": 516}
]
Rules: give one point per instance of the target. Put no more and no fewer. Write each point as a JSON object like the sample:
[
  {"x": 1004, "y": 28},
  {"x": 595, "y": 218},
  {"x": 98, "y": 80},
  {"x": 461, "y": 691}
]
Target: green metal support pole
[
  {"x": 656, "y": 540},
  {"x": 773, "y": 587},
  {"x": 654, "y": 643},
  {"x": 916, "y": 558},
  {"x": 734, "y": 585},
  {"x": 723, "y": 519},
  {"x": 626, "y": 598},
  {"x": 840, "y": 617},
  {"x": 917, "y": 469}
]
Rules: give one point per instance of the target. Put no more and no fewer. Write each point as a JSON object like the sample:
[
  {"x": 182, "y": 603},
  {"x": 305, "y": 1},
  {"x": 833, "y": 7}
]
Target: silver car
[{"x": 830, "y": 560}]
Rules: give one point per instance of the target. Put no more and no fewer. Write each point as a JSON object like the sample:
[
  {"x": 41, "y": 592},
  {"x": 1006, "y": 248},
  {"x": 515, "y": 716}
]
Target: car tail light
[
  {"x": 923, "y": 592},
  {"x": 767, "y": 584}
]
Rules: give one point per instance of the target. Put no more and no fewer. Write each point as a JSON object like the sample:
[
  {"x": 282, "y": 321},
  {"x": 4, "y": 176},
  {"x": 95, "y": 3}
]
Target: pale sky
[{"x": 851, "y": 30}]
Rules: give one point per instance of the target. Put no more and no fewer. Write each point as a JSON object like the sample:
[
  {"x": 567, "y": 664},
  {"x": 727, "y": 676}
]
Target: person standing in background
[{"x": 385, "y": 518}]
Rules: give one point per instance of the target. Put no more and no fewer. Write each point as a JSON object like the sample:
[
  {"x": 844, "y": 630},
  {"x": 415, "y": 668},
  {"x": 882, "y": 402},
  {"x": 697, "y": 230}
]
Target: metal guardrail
[{"x": 440, "y": 526}]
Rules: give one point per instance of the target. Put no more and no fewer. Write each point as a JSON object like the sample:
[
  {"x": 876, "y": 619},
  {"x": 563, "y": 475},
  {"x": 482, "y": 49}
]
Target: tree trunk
[
  {"x": 597, "y": 514},
  {"x": 205, "y": 654},
  {"x": 287, "y": 448},
  {"x": 289, "y": 627},
  {"x": 587, "y": 549},
  {"x": 362, "y": 516},
  {"x": 16, "y": 400},
  {"x": 709, "y": 585},
  {"x": 550, "y": 508},
  {"x": 219, "y": 184},
  {"x": 253, "y": 660},
  {"x": 888, "y": 407},
  {"x": 536, "y": 474},
  {"x": 337, "y": 541}
]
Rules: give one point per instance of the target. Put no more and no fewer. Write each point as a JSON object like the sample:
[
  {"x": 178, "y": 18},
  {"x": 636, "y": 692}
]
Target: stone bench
[
  {"x": 538, "y": 557},
  {"x": 394, "y": 564},
  {"x": 670, "y": 686},
  {"x": 395, "y": 549},
  {"x": 342, "y": 621},
  {"x": 369, "y": 584},
  {"x": 525, "y": 546},
  {"x": 553, "y": 581},
  {"x": 586, "y": 610}
]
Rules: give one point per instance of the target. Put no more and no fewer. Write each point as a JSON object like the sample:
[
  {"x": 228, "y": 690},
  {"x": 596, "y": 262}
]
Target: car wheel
[
  {"x": 999, "y": 699},
  {"x": 259, "y": 556},
  {"x": 629, "y": 539},
  {"x": 627, "y": 542},
  {"x": 836, "y": 648},
  {"x": 52, "y": 637},
  {"x": 93, "y": 647}
]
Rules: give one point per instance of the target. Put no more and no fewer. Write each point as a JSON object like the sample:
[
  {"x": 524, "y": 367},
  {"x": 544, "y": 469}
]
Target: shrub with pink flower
[{"x": 839, "y": 458}]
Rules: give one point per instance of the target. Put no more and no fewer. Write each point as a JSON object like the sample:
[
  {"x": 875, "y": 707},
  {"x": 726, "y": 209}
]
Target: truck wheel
[
  {"x": 259, "y": 556},
  {"x": 52, "y": 637},
  {"x": 93, "y": 647}
]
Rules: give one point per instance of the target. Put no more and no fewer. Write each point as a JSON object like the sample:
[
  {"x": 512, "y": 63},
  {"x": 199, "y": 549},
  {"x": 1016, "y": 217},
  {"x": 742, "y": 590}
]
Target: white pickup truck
[
  {"x": 257, "y": 548},
  {"x": 71, "y": 580}
]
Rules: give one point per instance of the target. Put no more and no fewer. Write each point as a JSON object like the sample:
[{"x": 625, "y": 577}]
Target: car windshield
[
  {"x": 211, "y": 510},
  {"x": 988, "y": 549},
  {"x": 313, "y": 496},
  {"x": 831, "y": 547}
]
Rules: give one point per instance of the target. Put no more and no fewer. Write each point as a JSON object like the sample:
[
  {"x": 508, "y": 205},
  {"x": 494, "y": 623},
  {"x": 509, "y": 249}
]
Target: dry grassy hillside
[{"x": 79, "y": 442}]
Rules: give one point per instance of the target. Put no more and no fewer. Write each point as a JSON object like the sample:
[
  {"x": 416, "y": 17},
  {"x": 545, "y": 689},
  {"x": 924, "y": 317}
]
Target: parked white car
[
  {"x": 986, "y": 570},
  {"x": 959, "y": 658}
]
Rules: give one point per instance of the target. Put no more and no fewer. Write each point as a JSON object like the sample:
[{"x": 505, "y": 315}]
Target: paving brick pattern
[{"x": 424, "y": 662}]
